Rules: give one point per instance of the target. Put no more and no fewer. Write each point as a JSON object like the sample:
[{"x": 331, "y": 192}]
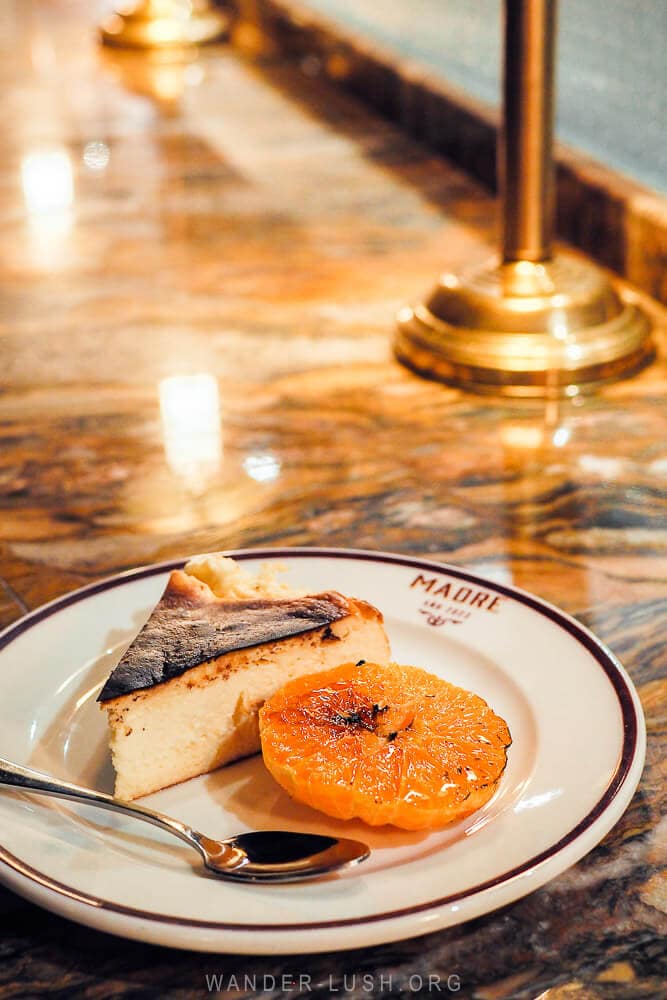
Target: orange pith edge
[{"x": 387, "y": 744}]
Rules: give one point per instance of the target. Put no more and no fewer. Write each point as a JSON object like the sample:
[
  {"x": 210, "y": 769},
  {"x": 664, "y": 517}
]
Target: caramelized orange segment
[{"x": 390, "y": 744}]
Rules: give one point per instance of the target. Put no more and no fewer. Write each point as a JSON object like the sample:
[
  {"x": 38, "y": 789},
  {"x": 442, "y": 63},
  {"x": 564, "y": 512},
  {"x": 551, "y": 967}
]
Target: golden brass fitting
[
  {"x": 164, "y": 24},
  {"x": 530, "y": 323}
]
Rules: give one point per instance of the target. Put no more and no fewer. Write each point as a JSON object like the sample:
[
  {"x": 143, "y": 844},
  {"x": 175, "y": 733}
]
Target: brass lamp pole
[
  {"x": 525, "y": 160},
  {"x": 163, "y": 24},
  {"x": 531, "y": 322}
]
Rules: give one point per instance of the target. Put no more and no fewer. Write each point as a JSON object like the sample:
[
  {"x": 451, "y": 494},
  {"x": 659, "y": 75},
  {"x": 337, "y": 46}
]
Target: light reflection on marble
[
  {"x": 48, "y": 194},
  {"x": 47, "y": 183},
  {"x": 233, "y": 270},
  {"x": 162, "y": 76},
  {"x": 191, "y": 428},
  {"x": 561, "y": 436},
  {"x": 96, "y": 155},
  {"x": 262, "y": 467}
]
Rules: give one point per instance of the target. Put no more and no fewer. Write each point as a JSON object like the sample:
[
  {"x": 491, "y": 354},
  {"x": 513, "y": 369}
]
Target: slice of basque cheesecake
[{"x": 185, "y": 696}]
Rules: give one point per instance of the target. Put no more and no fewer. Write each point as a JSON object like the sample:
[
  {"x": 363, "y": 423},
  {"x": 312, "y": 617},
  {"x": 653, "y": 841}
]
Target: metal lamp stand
[{"x": 532, "y": 322}]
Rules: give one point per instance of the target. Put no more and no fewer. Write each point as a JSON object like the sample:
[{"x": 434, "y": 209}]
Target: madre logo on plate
[{"x": 451, "y": 601}]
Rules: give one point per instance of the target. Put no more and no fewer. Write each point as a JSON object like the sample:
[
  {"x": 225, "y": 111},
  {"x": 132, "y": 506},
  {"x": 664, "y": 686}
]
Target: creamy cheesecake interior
[{"x": 177, "y": 710}]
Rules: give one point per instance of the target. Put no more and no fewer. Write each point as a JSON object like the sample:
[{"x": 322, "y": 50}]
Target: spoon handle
[{"x": 25, "y": 778}]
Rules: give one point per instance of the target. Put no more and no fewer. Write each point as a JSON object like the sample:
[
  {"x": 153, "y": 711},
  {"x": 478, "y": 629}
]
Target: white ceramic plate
[{"x": 575, "y": 762}]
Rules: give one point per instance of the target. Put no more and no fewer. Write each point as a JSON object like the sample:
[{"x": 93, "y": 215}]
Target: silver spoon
[{"x": 261, "y": 856}]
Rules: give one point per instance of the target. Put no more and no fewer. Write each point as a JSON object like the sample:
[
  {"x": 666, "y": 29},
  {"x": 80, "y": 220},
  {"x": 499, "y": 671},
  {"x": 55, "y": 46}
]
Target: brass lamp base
[
  {"x": 165, "y": 24},
  {"x": 525, "y": 329}
]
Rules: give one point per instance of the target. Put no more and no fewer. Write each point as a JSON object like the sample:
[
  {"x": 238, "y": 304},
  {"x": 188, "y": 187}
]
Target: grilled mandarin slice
[{"x": 387, "y": 744}]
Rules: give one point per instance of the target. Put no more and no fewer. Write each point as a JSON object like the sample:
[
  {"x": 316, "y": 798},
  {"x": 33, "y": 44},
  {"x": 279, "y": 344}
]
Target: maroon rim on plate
[{"x": 599, "y": 653}]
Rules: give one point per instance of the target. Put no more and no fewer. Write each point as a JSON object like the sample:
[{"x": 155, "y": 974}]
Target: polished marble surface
[{"x": 200, "y": 268}]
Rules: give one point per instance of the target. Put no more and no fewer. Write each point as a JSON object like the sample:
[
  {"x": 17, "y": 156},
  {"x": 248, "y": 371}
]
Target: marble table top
[{"x": 236, "y": 218}]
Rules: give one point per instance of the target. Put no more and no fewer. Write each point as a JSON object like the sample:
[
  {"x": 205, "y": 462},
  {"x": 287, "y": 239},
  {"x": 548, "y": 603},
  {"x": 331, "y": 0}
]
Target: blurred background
[{"x": 612, "y": 70}]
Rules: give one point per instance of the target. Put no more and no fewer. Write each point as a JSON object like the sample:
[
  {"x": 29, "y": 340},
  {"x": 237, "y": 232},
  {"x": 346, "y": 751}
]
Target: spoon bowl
[
  {"x": 280, "y": 855},
  {"x": 256, "y": 856}
]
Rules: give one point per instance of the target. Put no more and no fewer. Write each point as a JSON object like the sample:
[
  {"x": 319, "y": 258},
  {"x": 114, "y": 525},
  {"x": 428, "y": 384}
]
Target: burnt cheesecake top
[{"x": 190, "y": 626}]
